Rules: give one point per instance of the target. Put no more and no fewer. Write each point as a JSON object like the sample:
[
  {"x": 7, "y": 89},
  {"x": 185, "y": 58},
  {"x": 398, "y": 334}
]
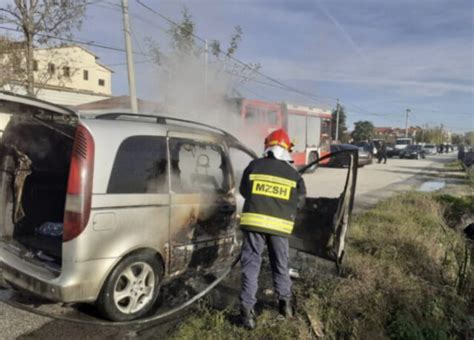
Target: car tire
[
  {"x": 132, "y": 288},
  {"x": 401, "y": 157},
  {"x": 313, "y": 156}
]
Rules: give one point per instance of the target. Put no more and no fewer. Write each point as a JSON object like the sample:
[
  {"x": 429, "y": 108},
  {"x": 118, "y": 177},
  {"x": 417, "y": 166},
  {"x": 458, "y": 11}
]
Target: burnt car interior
[{"x": 35, "y": 152}]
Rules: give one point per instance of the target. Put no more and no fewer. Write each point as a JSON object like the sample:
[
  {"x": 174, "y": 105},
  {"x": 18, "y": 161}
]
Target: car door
[
  {"x": 202, "y": 203},
  {"x": 321, "y": 226}
]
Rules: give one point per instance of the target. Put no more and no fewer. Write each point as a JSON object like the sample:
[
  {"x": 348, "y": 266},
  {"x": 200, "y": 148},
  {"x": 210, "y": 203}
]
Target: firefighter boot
[
  {"x": 285, "y": 308},
  {"x": 247, "y": 317}
]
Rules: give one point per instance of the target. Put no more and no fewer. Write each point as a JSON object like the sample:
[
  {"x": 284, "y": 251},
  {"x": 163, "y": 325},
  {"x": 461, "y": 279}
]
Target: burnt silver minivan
[{"x": 104, "y": 210}]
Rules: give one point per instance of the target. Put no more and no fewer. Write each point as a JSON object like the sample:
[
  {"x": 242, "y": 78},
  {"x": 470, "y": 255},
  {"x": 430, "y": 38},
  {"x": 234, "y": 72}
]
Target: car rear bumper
[{"x": 77, "y": 282}]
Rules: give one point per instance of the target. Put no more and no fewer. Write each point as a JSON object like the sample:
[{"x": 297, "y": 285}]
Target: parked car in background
[
  {"x": 430, "y": 149},
  {"x": 367, "y": 146},
  {"x": 413, "y": 151},
  {"x": 391, "y": 150},
  {"x": 400, "y": 144},
  {"x": 365, "y": 157}
]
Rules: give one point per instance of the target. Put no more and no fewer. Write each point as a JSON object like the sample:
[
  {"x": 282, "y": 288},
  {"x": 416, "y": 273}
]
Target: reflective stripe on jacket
[{"x": 272, "y": 189}]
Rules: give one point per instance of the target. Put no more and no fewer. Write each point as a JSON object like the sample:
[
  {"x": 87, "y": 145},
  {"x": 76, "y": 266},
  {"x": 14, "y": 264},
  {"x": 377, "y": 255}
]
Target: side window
[
  {"x": 254, "y": 115},
  {"x": 272, "y": 117},
  {"x": 140, "y": 166},
  {"x": 198, "y": 167}
]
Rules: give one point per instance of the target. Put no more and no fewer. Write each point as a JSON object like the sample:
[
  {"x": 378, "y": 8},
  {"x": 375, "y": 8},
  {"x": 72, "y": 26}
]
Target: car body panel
[
  {"x": 322, "y": 224},
  {"x": 186, "y": 230}
]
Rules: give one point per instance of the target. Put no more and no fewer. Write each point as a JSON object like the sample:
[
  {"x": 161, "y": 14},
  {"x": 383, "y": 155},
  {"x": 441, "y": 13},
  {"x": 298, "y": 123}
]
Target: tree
[
  {"x": 342, "y": 123},
  {"x": 42, "y": 21},
  {"x": 457, "y": 138},
  {"x": 363, "y": 130},
  {"x": 11, "y": 56},
  {"x": 469, "y": 138},
  {"x": 435, "y": 135},
  {"x": 183, "y": 70}
]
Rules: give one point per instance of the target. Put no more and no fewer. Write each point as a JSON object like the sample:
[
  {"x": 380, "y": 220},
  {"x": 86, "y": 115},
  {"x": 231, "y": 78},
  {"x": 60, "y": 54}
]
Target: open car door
[{"x": 321, "y": 225}]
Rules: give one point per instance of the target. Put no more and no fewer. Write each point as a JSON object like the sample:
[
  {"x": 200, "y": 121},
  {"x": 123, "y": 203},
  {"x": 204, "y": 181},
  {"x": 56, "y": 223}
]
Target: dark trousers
[
  {"x": 251, "y": 259},
  {"x": 382, "y": 155}
]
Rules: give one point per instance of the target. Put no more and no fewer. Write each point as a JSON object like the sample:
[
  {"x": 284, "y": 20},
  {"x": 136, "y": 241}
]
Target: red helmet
[{"x": 279, "y": 137}]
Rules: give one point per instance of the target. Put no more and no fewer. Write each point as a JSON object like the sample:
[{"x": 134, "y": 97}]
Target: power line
[
  {"x": 112, "y": 48},
  {"x": 278, "y": 84},
  {"x": 245, "y": 65}
]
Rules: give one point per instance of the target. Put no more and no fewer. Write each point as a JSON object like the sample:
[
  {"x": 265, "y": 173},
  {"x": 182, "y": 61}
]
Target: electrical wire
[{"x": 87, "y": 43}]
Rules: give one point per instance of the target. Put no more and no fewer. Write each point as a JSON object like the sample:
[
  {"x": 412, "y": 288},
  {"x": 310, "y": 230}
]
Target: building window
[
  {"x": 85, "y": 75},
  {"x": 66, "y": 71},
  {"x": 101, "y": 82},
  {"x": 51, "y": 68},
  {"x": 35, "y": 65}
]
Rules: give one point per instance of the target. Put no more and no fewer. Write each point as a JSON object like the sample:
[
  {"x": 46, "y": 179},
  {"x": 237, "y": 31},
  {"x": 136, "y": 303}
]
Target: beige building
[{"x": 67, "y": 75}]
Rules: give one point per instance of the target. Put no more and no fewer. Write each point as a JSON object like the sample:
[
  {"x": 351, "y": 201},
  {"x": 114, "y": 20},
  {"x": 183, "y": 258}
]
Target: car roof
[{"x": 139, "y": 124}]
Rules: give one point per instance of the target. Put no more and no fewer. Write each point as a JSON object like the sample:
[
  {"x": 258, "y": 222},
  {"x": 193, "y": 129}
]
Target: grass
[
  {"x": 406, "y": 276},
  {"x": 459, "y": 166},
  {"x": 454, "y": 165}
]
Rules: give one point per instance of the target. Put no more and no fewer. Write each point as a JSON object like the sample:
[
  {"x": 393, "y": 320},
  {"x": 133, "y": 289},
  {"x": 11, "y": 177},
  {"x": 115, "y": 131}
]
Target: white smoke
[{"x": 191, "y": 90}]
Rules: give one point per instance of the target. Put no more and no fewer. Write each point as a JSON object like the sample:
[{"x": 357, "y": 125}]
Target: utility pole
[
  {"x": 406, "y": 123},
  {"x": 337, "y": 120},
  {"x": 131, "y": 68},
  {"x": 206, "y": 57}
]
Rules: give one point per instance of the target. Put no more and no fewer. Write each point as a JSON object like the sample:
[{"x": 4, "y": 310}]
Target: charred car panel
[{"x": 321, "y": 226}]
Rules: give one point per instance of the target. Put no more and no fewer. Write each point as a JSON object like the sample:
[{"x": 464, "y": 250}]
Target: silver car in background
[{"x": 430, "y": 149}]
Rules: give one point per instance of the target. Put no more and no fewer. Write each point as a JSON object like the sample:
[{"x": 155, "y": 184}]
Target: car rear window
[{"x": 140, "y": 166}]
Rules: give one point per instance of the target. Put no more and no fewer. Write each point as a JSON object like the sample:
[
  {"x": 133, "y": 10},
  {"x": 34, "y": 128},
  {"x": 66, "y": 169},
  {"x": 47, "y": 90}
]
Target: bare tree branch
[{"x": 49, "y": 18}]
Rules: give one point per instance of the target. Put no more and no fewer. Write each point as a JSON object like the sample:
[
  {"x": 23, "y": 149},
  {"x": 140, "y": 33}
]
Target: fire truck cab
[{"x": 310, "y": 129}]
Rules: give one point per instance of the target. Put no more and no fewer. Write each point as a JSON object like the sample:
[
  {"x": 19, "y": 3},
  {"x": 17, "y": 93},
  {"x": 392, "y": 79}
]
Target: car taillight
[{"x": 79, "y": 187}]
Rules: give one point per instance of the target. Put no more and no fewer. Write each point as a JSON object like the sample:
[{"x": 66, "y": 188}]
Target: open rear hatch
[{"x": 35, "y": 156}]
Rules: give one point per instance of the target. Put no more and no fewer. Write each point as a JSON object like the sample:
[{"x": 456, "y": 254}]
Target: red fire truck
[{"x": 309, "y": 127}]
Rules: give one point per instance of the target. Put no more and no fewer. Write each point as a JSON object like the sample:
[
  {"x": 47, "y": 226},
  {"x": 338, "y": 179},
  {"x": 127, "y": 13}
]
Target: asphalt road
[{"x": 374, "y": 182}]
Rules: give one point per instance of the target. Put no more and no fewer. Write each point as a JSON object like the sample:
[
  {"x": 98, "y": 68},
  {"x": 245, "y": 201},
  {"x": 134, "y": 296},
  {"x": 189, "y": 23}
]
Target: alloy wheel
[{"x": 134, "y": 288}]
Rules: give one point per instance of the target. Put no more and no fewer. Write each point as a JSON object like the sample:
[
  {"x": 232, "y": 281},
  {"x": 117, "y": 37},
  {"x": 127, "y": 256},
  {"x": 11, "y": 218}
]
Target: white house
[{"x": 68, "y": 75}]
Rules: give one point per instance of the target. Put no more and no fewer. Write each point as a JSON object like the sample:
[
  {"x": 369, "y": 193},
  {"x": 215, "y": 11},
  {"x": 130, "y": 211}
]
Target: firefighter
[{"x": 273, "y": 190}]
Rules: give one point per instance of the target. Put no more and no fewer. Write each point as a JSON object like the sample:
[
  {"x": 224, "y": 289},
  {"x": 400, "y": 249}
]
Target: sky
[{"x": 377, "y": 57}]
